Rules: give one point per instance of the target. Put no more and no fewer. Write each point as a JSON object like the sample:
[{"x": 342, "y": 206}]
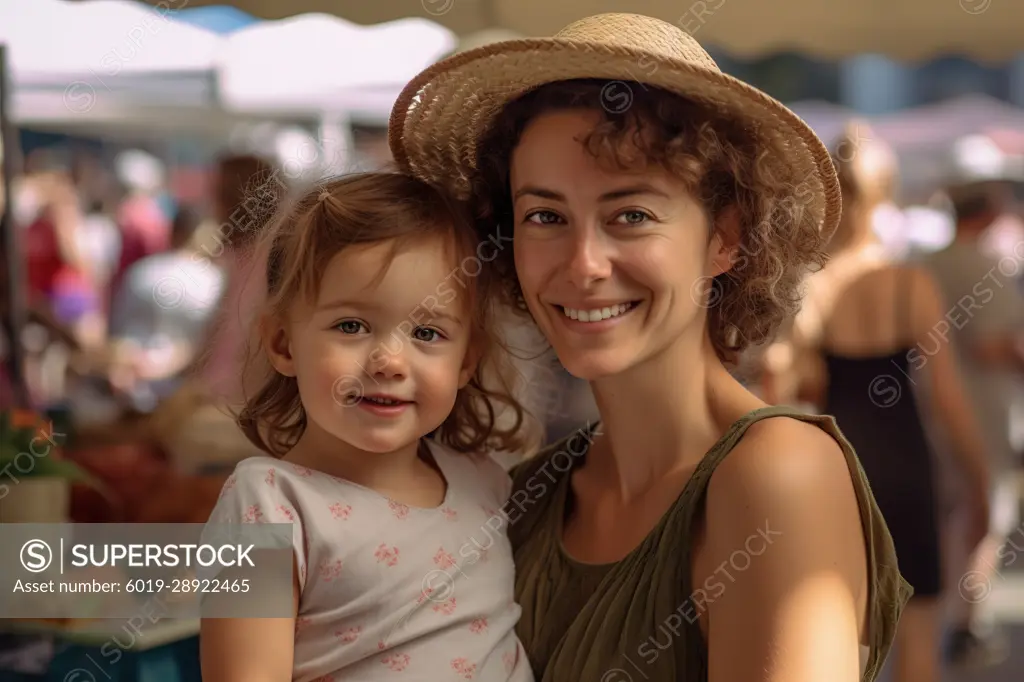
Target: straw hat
[{"x": 441, "y": 114}]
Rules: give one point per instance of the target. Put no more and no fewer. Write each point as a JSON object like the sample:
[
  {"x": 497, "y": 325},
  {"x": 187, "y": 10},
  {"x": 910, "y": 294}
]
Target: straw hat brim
[{"x": 440, "y": 115}]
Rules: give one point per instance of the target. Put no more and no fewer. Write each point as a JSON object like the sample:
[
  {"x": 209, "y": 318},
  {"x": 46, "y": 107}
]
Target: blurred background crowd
[{"x": 143, "y": 144}]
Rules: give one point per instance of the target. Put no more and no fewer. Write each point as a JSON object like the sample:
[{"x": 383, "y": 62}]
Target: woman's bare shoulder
[
  {"x": 792, "y": 475},
  {"x": 781, "y": 513},
  {"x": 779, "y": 457}
]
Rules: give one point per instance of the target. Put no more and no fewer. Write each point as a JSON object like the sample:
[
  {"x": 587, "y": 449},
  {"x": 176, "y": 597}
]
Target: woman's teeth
[{"x": 597, "y": 314}]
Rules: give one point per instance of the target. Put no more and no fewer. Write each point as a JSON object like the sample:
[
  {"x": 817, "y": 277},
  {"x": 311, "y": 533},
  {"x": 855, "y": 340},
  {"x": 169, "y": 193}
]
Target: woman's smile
[{"x": 595, "y": 318}]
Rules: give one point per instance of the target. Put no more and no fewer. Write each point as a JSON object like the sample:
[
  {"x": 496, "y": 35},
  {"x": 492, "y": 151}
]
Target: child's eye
[
  {"x": 542, "y": 217},
  {"x": 349, "y": 326},
  {"x": 426, "y": 334},
  {"x": 633, "y": 217}
]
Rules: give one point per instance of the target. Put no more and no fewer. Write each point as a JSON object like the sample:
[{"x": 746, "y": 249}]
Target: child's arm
[
  {"x": 255, "y": 649},
  {"x": 249, "y": 649}
]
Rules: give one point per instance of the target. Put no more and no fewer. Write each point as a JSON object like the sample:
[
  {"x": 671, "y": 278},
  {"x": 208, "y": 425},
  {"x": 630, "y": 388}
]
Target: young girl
[{"x": 378, "y": 328}]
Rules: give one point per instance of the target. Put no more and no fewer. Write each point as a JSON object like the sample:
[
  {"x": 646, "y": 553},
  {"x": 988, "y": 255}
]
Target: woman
[
  {"x": 661, "y": 216},
  {"x": 867, "y": 327},
  {"x": 60, "y": 275}
]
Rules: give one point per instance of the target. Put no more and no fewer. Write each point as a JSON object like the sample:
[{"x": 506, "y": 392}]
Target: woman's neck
[{"x": 663, "y": 415}]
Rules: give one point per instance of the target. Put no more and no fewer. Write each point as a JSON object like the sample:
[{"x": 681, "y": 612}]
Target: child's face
[{"x": 380, "y": 356}]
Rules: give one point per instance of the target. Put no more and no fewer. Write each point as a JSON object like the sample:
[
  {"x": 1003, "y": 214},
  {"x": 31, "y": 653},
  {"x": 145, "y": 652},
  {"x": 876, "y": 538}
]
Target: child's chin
[{"x": 383, "y": 443}]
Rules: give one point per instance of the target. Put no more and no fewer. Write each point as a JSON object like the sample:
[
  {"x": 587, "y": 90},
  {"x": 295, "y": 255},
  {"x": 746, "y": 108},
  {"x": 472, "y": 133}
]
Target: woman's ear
[
  {"x": 275, "y": 339},
  {"x": 724, "y": 246}
]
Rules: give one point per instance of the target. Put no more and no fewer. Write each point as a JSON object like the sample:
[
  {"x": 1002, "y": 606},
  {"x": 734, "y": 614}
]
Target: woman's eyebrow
[
  {"x": 633, "y": 190},
  {"x": 613, "y": 195},
  {"x": 538, "y": 192}
]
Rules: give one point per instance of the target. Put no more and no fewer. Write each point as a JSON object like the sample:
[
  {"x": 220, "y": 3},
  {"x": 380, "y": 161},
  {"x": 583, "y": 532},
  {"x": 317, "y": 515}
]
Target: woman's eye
[
  {"x": 543, "y": 218},
  {"x": 350, "y": 326},
  {"x": 633, "y": 217},
  {"x": 426, "y": 334}
]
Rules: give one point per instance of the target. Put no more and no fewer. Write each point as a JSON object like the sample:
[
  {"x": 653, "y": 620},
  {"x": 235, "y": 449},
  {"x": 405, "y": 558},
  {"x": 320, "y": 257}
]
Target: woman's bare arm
[{"x": 784, "y": 558}]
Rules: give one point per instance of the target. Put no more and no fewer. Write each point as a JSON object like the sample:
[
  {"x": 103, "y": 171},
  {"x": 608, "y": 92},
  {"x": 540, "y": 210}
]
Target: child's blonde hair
[{"x": 362, "y": 209}]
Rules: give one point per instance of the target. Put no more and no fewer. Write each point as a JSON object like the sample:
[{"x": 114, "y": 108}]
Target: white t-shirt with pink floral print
[{"x": 388, "y": 591}]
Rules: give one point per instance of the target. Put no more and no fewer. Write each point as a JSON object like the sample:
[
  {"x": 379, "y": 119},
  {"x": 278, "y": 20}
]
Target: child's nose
[{"x": 391, "y": 364}]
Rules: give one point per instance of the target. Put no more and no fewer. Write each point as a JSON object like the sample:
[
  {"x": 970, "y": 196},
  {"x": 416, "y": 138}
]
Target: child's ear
[
  {"x": 725, "y": 242},
  {"x": 279, "y": 348}
]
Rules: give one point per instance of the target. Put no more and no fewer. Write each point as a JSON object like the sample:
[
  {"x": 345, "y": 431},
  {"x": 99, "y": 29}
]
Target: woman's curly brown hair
[
  {"x": 363, "y": 209},
  {"x": 718, "y": 159}
]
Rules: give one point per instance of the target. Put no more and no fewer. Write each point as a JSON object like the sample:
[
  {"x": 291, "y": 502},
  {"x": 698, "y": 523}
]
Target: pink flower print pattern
[
  {"x": 253, "y": 514},
  {"x": 387, "y": 555},
  {"x": 340, "y": 511},
  {"x": 447, "y": 607},
  {"x": 301, "y": 623},
  {"x": 271, "y": 478},
  {"x": 301, "y": 471},
  {"x": 397, "y": 662},
  {"x": 330, "y": 570},
  {"x": 425, "y": 595},
  {"x": 443, "y": 559},
  {"x": 464, "y": 668},
  {"x": 509, "y": 659},
  {"x": 349, "y": 635},
  {"x": 398, "y": 509},
  {"x": 286, "y": 512},
  {"x": 478, "y": 626},
  {"x": 450, "y": 514}
]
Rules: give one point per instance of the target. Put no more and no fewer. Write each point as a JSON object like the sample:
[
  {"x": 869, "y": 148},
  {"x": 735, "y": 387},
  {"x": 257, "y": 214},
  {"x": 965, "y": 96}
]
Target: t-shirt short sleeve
[{"x": 255, "y": 493}]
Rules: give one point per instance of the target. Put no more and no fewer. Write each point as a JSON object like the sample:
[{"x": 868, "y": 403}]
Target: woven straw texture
[{"x": 442, "y": 113}]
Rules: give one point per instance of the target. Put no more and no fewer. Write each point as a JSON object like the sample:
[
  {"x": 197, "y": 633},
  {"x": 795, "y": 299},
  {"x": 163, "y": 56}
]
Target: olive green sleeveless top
[{"x": 629, "y": 620}]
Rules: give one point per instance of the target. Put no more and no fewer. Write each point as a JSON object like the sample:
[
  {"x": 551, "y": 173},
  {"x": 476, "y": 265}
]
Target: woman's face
[{"x": 614, "y": 266}]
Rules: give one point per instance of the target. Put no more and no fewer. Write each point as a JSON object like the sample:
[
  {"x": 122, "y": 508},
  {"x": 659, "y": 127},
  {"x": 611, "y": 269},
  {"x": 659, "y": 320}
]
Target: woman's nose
[{"x": 589, "y": 259}]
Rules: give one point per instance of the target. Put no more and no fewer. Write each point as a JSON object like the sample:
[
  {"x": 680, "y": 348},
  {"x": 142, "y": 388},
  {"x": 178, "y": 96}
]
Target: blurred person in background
[
  {"x": 143, "y": 225},
  {"x": 985, "y": 325},
  {"x": 860, "y": 334},
  {"x": 246, "y": 191},
  {"x": 100, "y": 240},
  {"x": 161, "y": 312},
  {"x": 59, "y": 273},
  {"x": 195, "y": 425}
]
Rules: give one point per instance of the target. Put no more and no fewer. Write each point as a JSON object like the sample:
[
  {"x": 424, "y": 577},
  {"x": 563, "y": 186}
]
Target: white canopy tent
[
  {"x": 105, "y": 62},
  {"x": 912, "y": 30},
  {"x": 318, "y": 62},
  {"x": 103, "y": 39}
]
